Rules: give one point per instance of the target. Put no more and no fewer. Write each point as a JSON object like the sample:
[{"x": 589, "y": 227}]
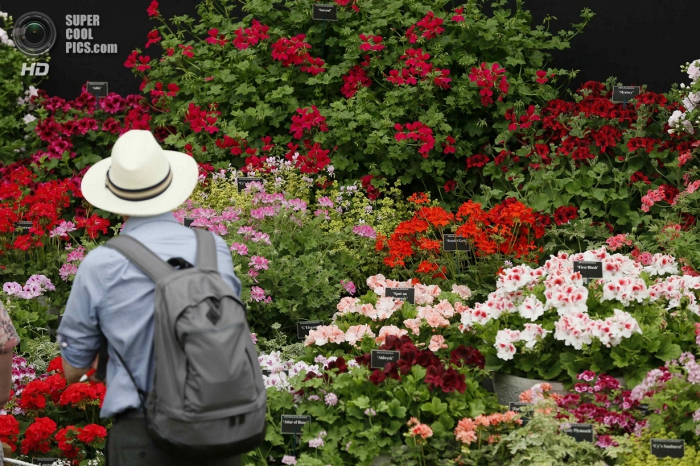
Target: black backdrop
[{"x": 638, "y": 41}]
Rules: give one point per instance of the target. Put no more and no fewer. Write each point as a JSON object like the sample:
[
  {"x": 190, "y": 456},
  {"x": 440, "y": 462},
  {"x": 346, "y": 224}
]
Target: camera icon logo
[{"x": 34, "y": 34}]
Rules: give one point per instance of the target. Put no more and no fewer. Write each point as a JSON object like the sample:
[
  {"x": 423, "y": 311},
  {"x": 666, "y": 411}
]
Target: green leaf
[
  {"x": 668, "y": 350},
  {"x": 394, "y": 409},
  {"x": 436, "y": 407}
]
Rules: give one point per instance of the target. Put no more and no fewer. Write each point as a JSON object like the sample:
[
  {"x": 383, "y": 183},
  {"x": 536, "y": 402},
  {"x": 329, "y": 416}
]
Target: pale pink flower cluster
[
  {"x": 357, "y": 332},
  {"x": 62, "y": 230},
  {"x": 651, "y": 197},
  {"x": 277, "y": 372},
  {"x": 566, "y": 298},
  {"x": 577, "y": 329},
  {"x": 437, "y": 342},
  {"x": 208, "y": 218},
  {"x": 384, "y": 308},
  {"x": 692, "y": 187},
  {"x": 240, "y": 249},
  {"x": 389, "y": 330},
  {"x": 73, "y": 259},
  {"x": 438, "y": 315},
  {"x": 565, "y": 292},
  {"x": 516, "y": 278},
  {"x": 379, "y": 283},
  {"x": 365, "y": 230},
  {"x": 266, "y": 211},
  {"x": 424, "y": 294},
  {"x": 504, "y": 345},
  {"x": 36, "y": 286},
  {"x": 673, "y": 289},
  {"x": 413, "y": 325},
  {"x": 258, "y": 263},
  {"x": 506, "y": 338},
  {"x": 497, "y": 303},
  {"x": 477, "y": 315},
  {"x": 625, "y": 290},
  {"x": 618, "y": 242},
  {"x": 257, "y": 294},
  {"x": 462, "y": 291},
  {"x": 684, "y": 158},
  {"x": 325, "y": 334},
  {"x": 661, "y": 264},
  {"x": 531, "y": 308}
]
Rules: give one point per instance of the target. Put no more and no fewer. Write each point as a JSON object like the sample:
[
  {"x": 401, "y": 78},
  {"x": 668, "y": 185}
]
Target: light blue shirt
[{"x": 110, "y": 291}]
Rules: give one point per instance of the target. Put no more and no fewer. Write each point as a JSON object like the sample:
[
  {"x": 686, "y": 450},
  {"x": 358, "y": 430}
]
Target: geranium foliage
[{"x": 407, "y": 90}]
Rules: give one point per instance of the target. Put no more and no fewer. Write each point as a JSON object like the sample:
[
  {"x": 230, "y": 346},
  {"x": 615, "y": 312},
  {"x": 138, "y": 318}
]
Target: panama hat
[{"x": 140, "y": 179}]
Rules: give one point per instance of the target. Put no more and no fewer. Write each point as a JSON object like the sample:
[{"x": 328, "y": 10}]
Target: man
[{"x": 111, "y": 296}]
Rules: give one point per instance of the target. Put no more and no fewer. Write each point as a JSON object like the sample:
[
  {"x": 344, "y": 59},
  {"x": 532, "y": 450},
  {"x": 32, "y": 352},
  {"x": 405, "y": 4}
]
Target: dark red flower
[
  {"x": 565, "y": 213},
  {"x": 467, "y": 355}
]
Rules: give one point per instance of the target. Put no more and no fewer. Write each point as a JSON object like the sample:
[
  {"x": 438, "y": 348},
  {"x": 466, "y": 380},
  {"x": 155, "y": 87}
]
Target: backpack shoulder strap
[
  {"x": 206, "y": 250},
  {"x": 142, "y": 257}
]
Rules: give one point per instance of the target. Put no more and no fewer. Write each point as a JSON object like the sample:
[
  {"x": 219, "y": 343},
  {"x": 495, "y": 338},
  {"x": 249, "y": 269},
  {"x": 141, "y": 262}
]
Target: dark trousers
[{"x": 128, "y": 444}]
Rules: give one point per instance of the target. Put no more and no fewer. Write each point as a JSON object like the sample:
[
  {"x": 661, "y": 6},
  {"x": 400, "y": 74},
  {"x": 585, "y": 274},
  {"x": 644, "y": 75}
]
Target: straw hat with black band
[{"x": 140, "y": 179}]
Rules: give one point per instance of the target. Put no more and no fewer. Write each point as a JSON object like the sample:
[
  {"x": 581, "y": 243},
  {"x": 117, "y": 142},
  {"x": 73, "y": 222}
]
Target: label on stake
[
  {"x": 98, "y": 88},
  {"x": 622, "y": 94},
  {"x": 23, "y": 227},
  {"x": 589, "y": 269},
  {"x": 667, "y": 448},
  {"x": 325, "y": 12},
  {"x": 242, "y": 181},
  {"x": 581, "y": 432},
  {"x": 292, "y": 424},
  {"x": 404, "y": 294},
  {"x": 47, "y": 461},
  {"x": 455, "y": 243},
  {"x": 516, "y": 407},
  {"x": 381, "y": 358},
  {"x": 304, "y": 327}
]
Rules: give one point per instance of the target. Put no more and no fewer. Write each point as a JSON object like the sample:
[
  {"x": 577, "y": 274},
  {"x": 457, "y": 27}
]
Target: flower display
[{"x": 549, "y": 311}]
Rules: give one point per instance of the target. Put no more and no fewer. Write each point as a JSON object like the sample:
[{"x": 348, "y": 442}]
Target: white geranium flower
[
  {"x": 694, "y": 70},
  {"x": 28, "y": 118}
]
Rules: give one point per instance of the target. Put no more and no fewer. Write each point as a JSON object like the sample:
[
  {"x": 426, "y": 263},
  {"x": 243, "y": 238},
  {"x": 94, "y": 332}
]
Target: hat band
[{"x": 139, "y": 194}]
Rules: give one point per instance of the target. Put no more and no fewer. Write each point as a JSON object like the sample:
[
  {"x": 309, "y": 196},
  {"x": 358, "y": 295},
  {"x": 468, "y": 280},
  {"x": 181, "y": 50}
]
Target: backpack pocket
[{"x": 220, "y": 371}]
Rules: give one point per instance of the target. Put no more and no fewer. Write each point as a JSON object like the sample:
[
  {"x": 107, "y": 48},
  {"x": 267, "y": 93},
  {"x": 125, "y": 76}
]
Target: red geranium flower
[
  {"x": 90, "y": 432},
  {"x": 34, "y": 395},
  {"x": 38, "y": 436},
  {"x": 93, "y": 225},
  {"x": 152, "y": 9},
  {"x": 9, "y": 430},
  {"x": 65, "y": 438}
]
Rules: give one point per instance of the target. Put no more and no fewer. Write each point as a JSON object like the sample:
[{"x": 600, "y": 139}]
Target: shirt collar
[{"x": 135, "y": 222}]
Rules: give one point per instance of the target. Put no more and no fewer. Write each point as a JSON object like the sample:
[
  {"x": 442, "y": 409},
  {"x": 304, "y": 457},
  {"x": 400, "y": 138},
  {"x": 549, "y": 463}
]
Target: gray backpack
[{"x": 208, "y": 397}]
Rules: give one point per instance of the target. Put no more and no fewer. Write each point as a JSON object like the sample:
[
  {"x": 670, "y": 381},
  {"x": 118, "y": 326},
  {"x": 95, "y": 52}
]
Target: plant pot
[{"x": 509, "y": 387}]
